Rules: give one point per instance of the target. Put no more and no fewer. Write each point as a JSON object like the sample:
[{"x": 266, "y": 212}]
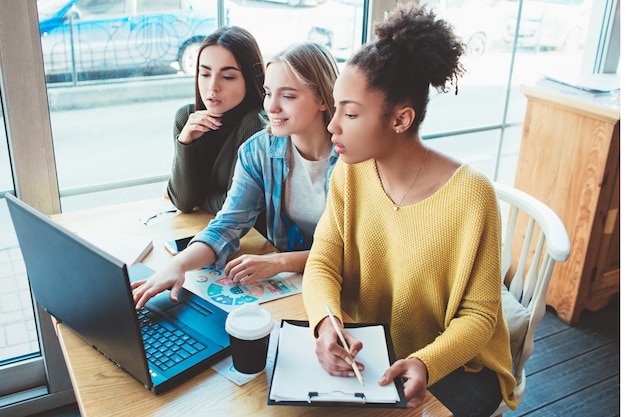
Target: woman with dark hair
[
  {"x": 282, "y": 174},
  {"x": 410, "y": 236},
  {"x": 228, "y": 110}
]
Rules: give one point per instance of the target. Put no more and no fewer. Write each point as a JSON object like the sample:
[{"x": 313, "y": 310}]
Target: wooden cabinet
[{"x": 569, "y": 159}]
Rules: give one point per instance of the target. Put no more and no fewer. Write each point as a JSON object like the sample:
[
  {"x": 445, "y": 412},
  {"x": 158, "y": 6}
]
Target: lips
[{"x": 339, "y": 148}]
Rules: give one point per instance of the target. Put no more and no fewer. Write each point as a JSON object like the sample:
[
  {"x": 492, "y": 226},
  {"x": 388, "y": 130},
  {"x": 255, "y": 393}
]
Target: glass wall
[
  {"x": 32, "y": 371},
  {"x": 112, "y": 111},
  {"x": 113, "y": 95},
  {"x": 18, "y": 334}
]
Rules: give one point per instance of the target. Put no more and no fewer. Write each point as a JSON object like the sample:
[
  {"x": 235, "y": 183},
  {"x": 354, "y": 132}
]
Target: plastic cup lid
[{"x": 249, "y": 322}]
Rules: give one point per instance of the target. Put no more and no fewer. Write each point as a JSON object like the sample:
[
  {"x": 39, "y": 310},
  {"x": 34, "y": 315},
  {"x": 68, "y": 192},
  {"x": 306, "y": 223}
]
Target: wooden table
[{"x": 104, "y": 390}]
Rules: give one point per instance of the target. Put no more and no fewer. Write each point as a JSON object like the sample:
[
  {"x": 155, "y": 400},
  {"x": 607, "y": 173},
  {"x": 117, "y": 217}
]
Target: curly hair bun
[
  {"x": 430, "y": 43},
  {"x": 413, "y": 50}
]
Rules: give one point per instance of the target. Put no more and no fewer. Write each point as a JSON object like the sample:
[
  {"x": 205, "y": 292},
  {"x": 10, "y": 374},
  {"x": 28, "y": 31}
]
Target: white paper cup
[{"x": 249, "y": 327}]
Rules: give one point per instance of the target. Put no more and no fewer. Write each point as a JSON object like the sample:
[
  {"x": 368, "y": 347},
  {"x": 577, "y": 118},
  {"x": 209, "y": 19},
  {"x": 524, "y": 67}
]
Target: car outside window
[{"x": 95, "y": 39}]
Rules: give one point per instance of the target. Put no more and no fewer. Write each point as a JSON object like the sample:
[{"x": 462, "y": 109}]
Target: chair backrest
[{"x": 534, "y": 239}]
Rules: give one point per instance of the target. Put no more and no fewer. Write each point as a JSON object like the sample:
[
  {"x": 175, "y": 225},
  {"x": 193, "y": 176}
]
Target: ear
[
  {"x": 321, "y": 107},
  {"x": 403, "y": 118}
]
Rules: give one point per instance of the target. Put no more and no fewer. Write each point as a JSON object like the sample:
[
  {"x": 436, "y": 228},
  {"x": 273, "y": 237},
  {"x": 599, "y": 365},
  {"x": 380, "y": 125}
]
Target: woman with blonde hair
[{"x": 282, "y": 170}]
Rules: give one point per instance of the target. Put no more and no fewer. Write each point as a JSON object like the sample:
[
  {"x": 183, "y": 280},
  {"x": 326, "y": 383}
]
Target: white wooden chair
[{"x": 534, "y": 239}]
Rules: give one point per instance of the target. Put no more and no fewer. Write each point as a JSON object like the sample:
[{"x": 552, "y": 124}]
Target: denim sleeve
[{"x": 243, "y": 204}]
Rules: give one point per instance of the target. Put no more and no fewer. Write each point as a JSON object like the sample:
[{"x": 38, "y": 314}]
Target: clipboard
[{"x": 299, "y": 379}]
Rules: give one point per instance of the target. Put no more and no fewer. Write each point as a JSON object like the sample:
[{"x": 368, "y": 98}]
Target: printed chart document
[
  {"x": 299, "y": 379},
  {"x": 211, "y": 284}
]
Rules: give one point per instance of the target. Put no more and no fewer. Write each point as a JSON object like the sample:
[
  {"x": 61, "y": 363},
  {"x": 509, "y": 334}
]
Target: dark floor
[{"x": 573, "y": 372}]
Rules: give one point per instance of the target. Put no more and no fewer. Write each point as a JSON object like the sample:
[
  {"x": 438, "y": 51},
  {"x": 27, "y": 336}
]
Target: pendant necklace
[{"x": 396, "y": 207}]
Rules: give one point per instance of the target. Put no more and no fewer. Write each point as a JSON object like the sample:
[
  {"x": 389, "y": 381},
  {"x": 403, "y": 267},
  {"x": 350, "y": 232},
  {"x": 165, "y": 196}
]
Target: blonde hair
[{"x": 315, "y": 67}]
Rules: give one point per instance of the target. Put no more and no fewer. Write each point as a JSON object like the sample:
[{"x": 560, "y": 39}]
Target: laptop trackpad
[
  {"x": 189, "y": 312},
  {"x": 195, "y": 313}
]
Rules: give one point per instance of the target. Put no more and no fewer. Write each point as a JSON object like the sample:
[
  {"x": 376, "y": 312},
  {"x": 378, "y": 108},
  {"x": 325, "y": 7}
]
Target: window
[
  {"x": 18, "y": 334},
  {"x": 337, "y": 24},
  {"x": 27, "y": 384}
]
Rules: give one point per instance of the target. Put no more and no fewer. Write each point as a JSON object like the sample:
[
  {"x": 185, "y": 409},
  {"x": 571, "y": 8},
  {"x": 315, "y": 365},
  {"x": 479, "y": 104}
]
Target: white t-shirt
[{"x": 305, "y": 191}]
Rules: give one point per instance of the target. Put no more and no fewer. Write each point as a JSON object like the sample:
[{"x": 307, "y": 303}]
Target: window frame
[{"x": 42, "y": 382}]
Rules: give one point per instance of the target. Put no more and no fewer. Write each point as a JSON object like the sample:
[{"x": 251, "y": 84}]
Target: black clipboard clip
[{"x": 336, "y": 396}]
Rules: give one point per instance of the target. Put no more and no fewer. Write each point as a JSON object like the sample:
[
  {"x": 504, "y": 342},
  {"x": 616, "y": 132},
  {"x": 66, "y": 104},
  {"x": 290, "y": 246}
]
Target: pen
[{"x": 343, "y": 342}]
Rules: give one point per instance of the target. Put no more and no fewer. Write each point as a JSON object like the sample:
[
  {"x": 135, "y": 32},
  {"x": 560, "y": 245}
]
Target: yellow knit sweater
[{"x": 430, "y": 270}]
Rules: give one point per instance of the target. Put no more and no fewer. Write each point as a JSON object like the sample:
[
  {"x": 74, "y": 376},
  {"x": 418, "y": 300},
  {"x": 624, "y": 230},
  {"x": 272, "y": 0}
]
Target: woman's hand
[
  {"x": 172, "y": 277},
  {"x": 331, "y": 354},
  {"x": 198, "y": 124},
  {"x": 413, "y": 374},
  {"x": 249, "y": 269}
]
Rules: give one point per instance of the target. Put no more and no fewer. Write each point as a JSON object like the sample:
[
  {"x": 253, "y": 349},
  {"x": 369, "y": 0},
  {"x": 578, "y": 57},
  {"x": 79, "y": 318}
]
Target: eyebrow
[
  {"x": 344, "y": 102},
  {"x": 221, "y": 69},
  {"x": 281, "y": 89}
]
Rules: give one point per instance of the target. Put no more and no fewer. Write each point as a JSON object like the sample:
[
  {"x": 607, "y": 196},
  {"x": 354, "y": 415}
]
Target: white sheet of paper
[{"x": 298, "y": 372}]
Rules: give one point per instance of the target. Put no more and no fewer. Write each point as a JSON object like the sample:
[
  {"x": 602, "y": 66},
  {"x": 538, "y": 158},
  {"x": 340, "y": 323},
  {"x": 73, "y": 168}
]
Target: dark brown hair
[
  {"x": 413, "y": 50},
  {"x": 247, "y": 53}
]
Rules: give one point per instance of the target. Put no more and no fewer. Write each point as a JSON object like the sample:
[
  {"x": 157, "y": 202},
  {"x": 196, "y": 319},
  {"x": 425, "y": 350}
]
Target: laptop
[{"x": 88, "y": 290}]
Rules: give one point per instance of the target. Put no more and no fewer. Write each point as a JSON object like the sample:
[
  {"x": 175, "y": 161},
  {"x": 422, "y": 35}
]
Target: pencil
[{"x": 343, "y": 342}]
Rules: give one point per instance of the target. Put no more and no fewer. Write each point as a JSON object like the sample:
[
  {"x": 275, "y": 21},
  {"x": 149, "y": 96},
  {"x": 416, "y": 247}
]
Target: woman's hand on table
[{"x": 249, "y": 269}]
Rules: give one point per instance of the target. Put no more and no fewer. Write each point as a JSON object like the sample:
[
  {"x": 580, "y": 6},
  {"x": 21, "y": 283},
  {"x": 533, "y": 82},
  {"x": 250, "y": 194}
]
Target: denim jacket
[{"x": 258, "y": 183}]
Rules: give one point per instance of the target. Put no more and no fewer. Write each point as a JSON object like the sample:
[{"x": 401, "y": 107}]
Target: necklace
[{"x": 396, "y": 207}]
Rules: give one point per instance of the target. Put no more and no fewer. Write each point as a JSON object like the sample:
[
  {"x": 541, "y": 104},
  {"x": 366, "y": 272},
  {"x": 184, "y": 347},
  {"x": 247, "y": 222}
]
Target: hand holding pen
[
  {"x": 336, "y": 349},
  {"x": 343, "y": 342}
]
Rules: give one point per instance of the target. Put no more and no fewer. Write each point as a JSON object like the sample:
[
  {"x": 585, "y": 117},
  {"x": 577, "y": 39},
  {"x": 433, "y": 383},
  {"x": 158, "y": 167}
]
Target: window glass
[
  {"x": 98, "y": 39},
  {"x": 18, "y": 334},
  {"x": 482, "y": 150},
  {"x": 87, "y": 8},
  {"x": 117, "y": 71},
  {"x": 550, "y": 41},
  {"x": 144, "y": 6},
  {"x": 337, "y": 24},
  {"x": 113, "y": 93},
  {"x": 116, "y": 144}
]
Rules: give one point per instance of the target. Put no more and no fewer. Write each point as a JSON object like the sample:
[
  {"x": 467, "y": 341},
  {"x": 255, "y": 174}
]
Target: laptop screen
[{"x": 83, "y": 287}]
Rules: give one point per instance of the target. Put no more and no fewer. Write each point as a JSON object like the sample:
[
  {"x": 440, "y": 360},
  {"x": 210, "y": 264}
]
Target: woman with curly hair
[{"x": 410, "y": 236}]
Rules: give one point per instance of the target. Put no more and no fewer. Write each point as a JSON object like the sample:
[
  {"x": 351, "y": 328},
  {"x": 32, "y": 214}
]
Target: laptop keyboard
[{"x": 165, "y": 344}]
